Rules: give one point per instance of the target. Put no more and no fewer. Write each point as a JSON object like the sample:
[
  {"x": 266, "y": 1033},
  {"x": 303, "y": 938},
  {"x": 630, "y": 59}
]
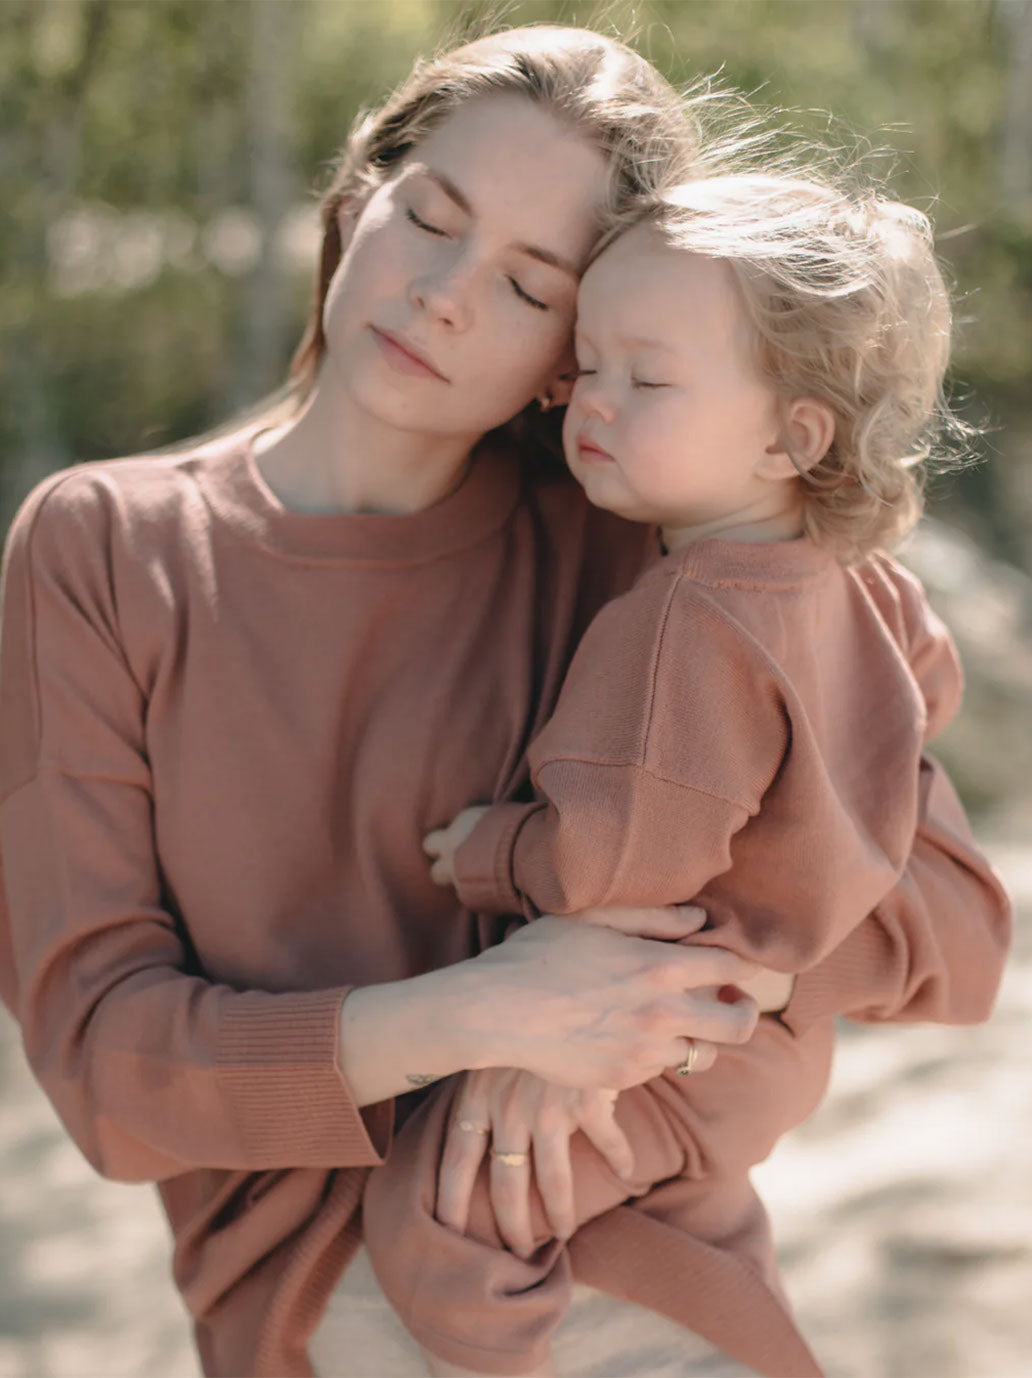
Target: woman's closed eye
[
  {"x": 643, "y": 383},
  {"x": 525, "y": 296},
  {"x": 521, "y": 292}
]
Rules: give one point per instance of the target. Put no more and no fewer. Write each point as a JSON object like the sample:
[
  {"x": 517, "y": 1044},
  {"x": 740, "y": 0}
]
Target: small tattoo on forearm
[{"x": 420, "y": 1078}]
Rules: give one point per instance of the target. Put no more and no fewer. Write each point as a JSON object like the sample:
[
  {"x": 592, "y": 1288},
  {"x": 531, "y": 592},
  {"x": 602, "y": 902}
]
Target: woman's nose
[{"x": 445, "y": 293}]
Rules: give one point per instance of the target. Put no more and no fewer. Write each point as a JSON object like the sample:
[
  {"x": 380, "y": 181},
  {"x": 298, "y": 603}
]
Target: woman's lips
[
  {"x": 588, "y": 450},
  {"x": 403, "y": 356}
]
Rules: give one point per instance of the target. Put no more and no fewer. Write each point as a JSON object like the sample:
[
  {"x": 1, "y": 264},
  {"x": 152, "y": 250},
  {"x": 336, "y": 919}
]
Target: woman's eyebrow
[{"x": 543, "y": 255}]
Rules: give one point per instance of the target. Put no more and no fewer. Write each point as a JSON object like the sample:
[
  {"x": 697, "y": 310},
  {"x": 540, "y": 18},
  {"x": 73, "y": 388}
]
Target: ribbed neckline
[
  {"x": 233, "y": 485},
  {"x": 752, "y": 564}
]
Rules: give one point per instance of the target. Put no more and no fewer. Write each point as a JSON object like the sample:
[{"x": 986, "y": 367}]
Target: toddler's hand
[{"x": 443, "y": 843}]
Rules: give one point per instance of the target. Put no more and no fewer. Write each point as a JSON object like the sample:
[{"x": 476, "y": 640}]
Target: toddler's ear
[{"x": 804, "y": 438}]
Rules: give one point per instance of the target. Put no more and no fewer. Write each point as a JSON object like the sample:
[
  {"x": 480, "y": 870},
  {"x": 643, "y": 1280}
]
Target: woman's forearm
[
  {"x": 400, "y": 1035},
  {"x": 578, "y": 1004}
]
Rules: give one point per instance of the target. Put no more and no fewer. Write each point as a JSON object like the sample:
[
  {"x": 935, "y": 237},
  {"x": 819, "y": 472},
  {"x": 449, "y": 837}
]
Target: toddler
[{"x": 760, "y": 363}]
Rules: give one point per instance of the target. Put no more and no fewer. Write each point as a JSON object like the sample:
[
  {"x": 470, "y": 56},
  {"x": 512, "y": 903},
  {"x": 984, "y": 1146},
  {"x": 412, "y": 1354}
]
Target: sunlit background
[{"x": 158, "y": 163}]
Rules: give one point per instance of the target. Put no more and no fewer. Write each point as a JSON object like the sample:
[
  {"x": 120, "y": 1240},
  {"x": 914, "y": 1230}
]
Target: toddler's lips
[{"x": 588, "y": 450}]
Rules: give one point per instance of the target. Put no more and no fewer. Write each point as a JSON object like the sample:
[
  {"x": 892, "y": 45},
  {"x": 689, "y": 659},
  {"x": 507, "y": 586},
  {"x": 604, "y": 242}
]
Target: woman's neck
[{"x": 333, "y": 457}]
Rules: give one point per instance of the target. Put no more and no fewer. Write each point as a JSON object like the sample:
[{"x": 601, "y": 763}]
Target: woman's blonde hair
[
  {"x": 847, "y": 304},
  {"x": 602, "y": 88}
]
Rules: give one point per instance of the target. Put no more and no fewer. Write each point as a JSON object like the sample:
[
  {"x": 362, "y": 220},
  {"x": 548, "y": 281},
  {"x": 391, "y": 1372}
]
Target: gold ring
[
  {"x": 510, "y": 1159},
  {"x": 687, "y": 1067},
  {"x": 471, "y": 1128}
]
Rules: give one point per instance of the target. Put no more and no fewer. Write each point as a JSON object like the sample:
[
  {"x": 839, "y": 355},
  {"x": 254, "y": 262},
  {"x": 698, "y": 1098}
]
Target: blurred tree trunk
[
  {"x": 272, "y": 141},
  {"x": 1016, "y": 142},
  {"x": 46, "y": 150}
]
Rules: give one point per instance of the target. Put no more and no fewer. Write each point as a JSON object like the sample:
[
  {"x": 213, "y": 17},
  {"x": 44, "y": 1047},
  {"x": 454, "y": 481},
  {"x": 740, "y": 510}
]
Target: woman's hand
[
  {"x": 518, "y": 1113},
  {"x": 582, "y": 1004},
  {"x": 590, "y": 1002},
  {"x": 443, "y": 843}
]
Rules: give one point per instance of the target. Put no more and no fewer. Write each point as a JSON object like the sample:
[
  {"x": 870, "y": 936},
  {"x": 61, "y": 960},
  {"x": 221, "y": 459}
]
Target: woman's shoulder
[{"x": 89, "y": 506}]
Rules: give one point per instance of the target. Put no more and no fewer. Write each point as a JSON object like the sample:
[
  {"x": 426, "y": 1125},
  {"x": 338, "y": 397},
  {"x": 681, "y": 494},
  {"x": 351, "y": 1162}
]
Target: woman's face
[{"x": 454, "y": 299}]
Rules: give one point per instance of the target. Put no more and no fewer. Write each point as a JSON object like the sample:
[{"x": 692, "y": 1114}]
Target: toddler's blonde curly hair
[{"x": 848, "y": 305}]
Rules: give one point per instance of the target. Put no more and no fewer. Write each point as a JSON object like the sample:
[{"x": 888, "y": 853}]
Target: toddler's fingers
[
  {"x": 440, "y": 873},
  {"x": 433, "y": 842},
  {"x": 691, "y": 914}
]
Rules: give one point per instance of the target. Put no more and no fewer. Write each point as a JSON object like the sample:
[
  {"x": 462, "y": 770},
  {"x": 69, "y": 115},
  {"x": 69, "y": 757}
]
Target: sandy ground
[{"x": 904, "y": 1210}]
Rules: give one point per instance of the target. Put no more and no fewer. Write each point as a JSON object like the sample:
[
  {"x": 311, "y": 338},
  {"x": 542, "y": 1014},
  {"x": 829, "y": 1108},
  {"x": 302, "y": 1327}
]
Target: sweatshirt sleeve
[
  {"x": 645, "y": 772},
  {"x": 935, "y": 947},
  {"x": 153, "y": 1069}
]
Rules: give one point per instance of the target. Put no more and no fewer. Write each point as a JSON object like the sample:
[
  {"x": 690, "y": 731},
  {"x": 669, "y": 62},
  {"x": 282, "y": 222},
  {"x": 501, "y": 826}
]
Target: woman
[{"x": 238, "y": 684}]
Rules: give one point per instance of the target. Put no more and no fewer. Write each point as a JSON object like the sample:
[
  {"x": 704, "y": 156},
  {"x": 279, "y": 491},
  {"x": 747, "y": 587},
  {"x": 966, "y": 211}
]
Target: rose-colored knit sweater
[{"x": 224, "y": 729}]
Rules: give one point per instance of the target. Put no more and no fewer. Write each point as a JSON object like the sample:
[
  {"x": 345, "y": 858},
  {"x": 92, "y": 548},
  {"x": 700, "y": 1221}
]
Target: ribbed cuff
[
  {"x": 851, "y": 979},
  {"x": 277, "y": 1063},
  {"x": 483, "y": 864}
]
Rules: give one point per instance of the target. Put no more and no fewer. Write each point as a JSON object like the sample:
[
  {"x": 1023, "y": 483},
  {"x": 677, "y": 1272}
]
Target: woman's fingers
[
  {"x": 695, "y": 1054},
  {"x": 700, "y": 1014},
  {"x": 510, "y": 1187},
  {"x": 689, "y": 967},
  {"x": 599, "y": 1008},
  {"x": 664, "y": 922},
  {"x": 599, "y": 1124},
  {"x": 467, "y": 1141},
  {"x": 553, "y": 1174}
]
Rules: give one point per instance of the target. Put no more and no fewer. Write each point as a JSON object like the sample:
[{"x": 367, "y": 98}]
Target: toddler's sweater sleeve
[
  {"x": 154, "y": 1069},
  {"x": 934, "y": 948},
  {"x": 646, "y": 770}
]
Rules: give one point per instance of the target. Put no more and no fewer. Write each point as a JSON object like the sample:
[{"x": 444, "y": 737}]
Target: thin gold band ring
[
  {"x": 687, "y": 1067},
  {"x": 510, "y": 1159}
]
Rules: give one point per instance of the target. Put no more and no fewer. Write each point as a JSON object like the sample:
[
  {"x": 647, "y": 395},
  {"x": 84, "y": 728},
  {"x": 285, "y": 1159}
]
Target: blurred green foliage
[{"x": 157, "y": 159}]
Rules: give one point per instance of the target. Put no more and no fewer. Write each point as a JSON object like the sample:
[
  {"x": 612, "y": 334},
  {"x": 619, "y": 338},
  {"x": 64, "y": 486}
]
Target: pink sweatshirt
[{"x": 224, "y": 729}]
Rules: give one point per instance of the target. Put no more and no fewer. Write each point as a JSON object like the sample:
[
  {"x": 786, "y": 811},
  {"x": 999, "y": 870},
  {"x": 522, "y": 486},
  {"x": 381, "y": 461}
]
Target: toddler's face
[{"x": 670, "y": 418}]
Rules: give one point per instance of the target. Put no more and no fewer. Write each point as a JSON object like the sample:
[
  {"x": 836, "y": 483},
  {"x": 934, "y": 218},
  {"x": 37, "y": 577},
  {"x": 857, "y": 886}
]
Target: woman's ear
[
  {"x": 560, "y": 386},
  {"x": 804, "y": 437}
]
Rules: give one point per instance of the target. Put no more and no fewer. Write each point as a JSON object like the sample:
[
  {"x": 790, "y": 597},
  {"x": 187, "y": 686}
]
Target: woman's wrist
[{"x": 400, "y": 1035}]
